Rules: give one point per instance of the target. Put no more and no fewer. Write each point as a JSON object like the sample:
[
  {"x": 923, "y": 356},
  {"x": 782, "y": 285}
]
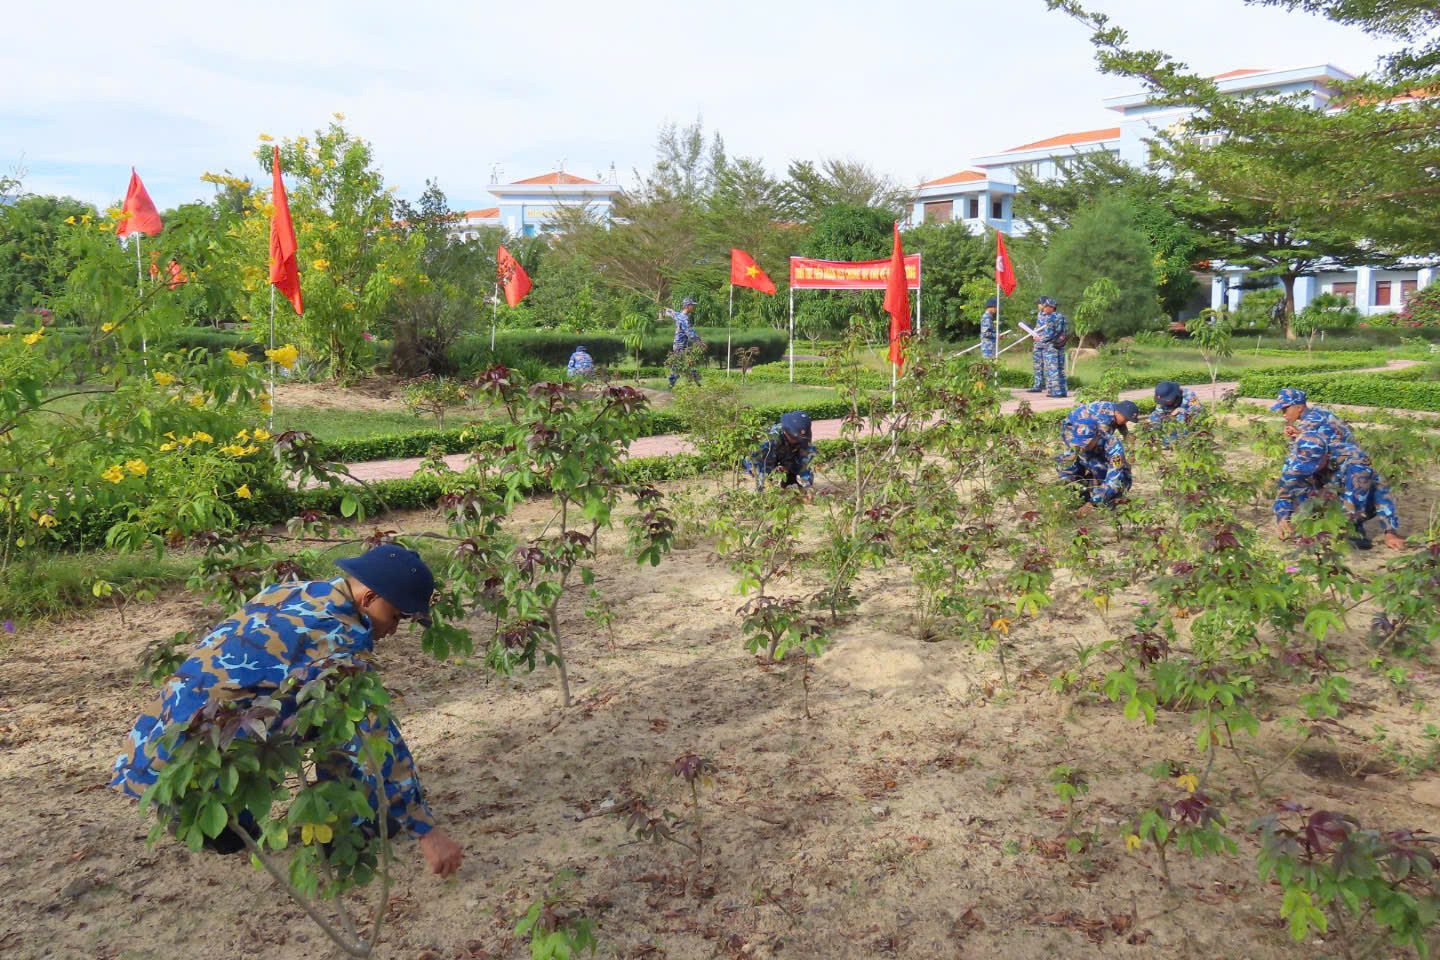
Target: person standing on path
[
  {"x": 1037, "y": 350},
  {"x": 295, "y": 631},
  {"x": 989, "y": 331},
  {"x": 684, "y": 352},
  {"x": 1052, "y": 333}
]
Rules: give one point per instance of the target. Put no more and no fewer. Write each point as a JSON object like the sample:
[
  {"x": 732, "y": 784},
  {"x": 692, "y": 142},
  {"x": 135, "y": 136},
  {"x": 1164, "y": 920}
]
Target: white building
[
  {"x": 527, "y": 207},
  {"x": 982, "y": 196}
]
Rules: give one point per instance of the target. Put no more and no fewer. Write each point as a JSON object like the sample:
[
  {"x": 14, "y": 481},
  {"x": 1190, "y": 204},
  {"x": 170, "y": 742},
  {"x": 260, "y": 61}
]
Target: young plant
[
  {"x": 781, "y": 625},
  {"x": 557, "y": 929},
  {"x": 1191, "y": 825},
  {"x": 433, "y": 395},
  {"x": 1211, "y": 331}
]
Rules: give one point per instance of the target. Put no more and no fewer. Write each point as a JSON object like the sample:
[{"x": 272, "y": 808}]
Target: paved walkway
[{"x": 824, "y": 429}]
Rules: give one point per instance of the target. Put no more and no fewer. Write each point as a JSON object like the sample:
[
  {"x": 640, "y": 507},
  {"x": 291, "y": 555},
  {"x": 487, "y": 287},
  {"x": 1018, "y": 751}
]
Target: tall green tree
[
  {"x": 809, "y": 190},
  {"x": 951, "y": 257},
  {"x": 1104, "y": 241},
  {"x": 33, "y": 261}
]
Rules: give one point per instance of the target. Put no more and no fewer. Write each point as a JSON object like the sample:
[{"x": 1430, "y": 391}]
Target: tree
[
  {"x": 846, "y": 232},
  {"x": 808, "y": 191},
  {"x": 1049, "y": 205},
  {"x": 1364, "y": 171},
  {"x": 952, "y": 257},
  {"x": 1090, "y": 311},
  {"x": 32, "y": 266},
  {"x": 1211, "y": 331},
  {"x": 1104, "y": 241}
]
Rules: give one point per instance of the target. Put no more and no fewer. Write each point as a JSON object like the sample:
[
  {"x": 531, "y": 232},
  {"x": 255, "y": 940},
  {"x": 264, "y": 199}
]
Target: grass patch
[{"x": 42, "y": 586}]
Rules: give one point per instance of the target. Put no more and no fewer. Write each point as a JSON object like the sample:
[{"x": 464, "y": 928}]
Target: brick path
[{"x": 823, "y": 429}]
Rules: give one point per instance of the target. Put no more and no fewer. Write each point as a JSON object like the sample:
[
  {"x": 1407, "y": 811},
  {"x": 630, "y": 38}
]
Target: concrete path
[{"x": 825, "y": 429}]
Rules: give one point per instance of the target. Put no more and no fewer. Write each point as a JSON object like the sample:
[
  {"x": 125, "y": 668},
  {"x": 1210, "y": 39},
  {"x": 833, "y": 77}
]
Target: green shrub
[
  {"x": 1398, "y": 390},
  {"x": 470, "y": 355}
]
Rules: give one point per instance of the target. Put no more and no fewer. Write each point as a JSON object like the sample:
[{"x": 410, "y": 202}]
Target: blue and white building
[
  {"x": 528, "y": 207},
  {"x": 982, "y": 196}
]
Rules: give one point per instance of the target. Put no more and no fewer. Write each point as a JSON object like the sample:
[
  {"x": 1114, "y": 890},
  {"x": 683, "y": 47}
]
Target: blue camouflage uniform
[
  {"x": 1037, "y": 351},
  {"x": 1299, "y": 480},
  {"x": 580, "y": 365},
  {"x": 289, "y": 630},
  {"x": 1185, "y": 412},
  {"x": 779, "y": 454},
  {"x": 685, "y": 336},
  {"x": 1094, "y": 456},
  {"x": 1314, "y": 419},
  {"x": 989, "y": 332},
  {"x": 1050, "y": 336},
  {"x": 1100, "y": 412},
  {"x": 1363, "y": 492}
]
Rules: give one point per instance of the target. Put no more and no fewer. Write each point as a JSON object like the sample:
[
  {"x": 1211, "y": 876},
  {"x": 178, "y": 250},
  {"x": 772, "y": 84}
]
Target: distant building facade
[
  {"x": 982, "y": 197},
  {"x": 527, "y": 208}
]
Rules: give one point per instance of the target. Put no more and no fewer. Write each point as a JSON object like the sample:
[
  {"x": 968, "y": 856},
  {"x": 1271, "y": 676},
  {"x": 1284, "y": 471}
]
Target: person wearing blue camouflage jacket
[
  {"x": 1301, "y": 418},
  {"x": 1313, "y": 462},
  {"x": 788, "y": 449},
  {"x": 1175, "y": 405},
  {"x": 581, "y": 365},
  {"x": 1109, "y": 415},
  {"x": 1051, "y": 333},
  {"x": 989, "y": 331},
  {"x": 293, "y": 630},
  {"x": 1037, "y": 350},
  {"x": 687, "y": 341},
  {"x": 1094, "y": 457}
]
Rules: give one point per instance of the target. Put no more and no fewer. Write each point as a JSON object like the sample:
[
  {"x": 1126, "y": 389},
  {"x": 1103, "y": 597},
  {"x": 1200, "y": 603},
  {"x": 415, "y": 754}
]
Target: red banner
[{"x": 807, "y": 274}]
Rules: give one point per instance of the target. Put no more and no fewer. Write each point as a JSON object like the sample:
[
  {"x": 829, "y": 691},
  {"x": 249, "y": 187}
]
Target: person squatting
[
  {"x": 1093, "y": 454},
  {"x": 788, "y": 449}
]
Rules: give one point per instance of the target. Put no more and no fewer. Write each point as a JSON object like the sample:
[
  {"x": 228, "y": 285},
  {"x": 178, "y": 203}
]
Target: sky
[{"x": 458, "y": 90}]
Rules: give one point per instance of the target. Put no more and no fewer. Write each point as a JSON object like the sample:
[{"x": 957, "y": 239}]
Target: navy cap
[
  {"x": 992, "y": 302},
  {"x": 1047, "y": 302},
  {"x": 687, "y": 302},
  {"x": 796, "y": 422},
  {"x": 1289, "y": 397},
  {"x": 398, "y": 575},
  {"x": 1127, "y": 409},
  {"x": 1167, "y": 393}
]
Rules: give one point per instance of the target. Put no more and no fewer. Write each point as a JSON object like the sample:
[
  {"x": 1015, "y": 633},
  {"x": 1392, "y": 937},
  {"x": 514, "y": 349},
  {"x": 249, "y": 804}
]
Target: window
[
  {"x": 1407, "y": 290},
  {"x": 938, "y": 211},
  {"x": 996, "y": 208},
  {"x": 1382, "y": 293},
  {"x": 974, "y": 212},
  {"x": 1345, "y": 289}
]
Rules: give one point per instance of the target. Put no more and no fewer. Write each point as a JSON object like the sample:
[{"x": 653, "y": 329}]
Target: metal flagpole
[
  {"x": 919, "y": 290},
  {"x": 995, "y": 370},
  {"x": 494, "y": 315},
  {"x": 729, "y": 322},
  {"x": 140, "y": 292},
  {"x": 272, "y": 358},
  {"x": 792, "y": 333}
]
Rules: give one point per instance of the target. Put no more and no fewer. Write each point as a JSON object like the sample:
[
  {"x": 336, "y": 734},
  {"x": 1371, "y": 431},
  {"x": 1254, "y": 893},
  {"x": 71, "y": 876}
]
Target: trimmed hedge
[
  {"x": 472, "y": 354},
  {"x": 1395, "y": 390}
]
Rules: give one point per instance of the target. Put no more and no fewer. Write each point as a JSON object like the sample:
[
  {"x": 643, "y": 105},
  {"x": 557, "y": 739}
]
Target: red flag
[
  {"x": 284, "y": 269},
  {"x": 897, "y": 302},
  {"x": 512, "y": 276},
  {"x": 1004, "y": 270},
  {"x": 139, "y": 214},
  {"x": 745, "y": 273}
]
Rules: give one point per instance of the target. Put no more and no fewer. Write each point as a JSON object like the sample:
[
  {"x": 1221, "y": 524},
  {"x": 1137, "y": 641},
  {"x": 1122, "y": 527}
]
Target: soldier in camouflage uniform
[
  {"x": 1051, "y": 333},
  {"x": 1302, "y": 418},
  {"x": 688, "y": 349},
  {"x": 989, "y": 331},
  {"x": 1094, "y": 457},
  {"x": 1037, "y": 350},
  {"x": 788, "y": 450},
  {"x": 581, "y": 365},
  {"x": 1315, "y": 461},
  {"x": 1175, "y": 405},
  {"x": 293, "y": 630}
]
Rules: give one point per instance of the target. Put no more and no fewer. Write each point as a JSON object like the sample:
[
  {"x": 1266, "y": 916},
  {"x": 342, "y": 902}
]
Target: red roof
[
  {"x": 489, "y": 213},
  {"x": 558, "y": 179},
  {"x": 1237, "y": 73},
  {"x": 1066, "y": 139},
  {"x": 964, "y": 176}
]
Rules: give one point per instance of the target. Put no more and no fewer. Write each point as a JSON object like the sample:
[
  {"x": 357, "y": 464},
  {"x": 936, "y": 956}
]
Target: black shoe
[
  {"x": 1035, "y": 390},
  {"x": 1361, "y": 540},
  {"x": 1059, "y": 396}
]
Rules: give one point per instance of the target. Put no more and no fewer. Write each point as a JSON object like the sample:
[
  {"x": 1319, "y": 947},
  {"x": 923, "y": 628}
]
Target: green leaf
[
  {"x": 349, "y": 505},
  {"x": 214, "y": 818}
]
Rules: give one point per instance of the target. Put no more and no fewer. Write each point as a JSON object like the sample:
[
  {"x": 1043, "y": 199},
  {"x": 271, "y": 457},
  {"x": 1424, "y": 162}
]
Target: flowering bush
[{"x": 1421, "y": 310}]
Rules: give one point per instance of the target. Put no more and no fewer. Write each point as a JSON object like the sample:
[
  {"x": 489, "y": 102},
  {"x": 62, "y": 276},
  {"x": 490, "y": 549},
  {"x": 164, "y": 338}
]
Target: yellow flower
[
  {"x": 243, "y": 435},
  {"x": 200, "y": 436},
  {"x": 395, "y": 281},
  {"x": 423, "y": 279},
  {"x": 106, "y": 327},
  {"x": 243, "y": 492},
  {"x": 164, "y": 379},
  {"x": 114, "y": 474},
  {"x": 46, "y": 520},
  {"x": 1132, "y": 842},
  {"x": 33, "y": 338},
  {"x": 266, "y": 138},
  {"x": 70, "y": 220},
  {"x": 233, "y": 450},
  {"x": 1189, "y": 781},
  {"x": 265, "y": 406},
  {"x": 339, "y": 116},
  {"x": 137, "y": 467},
  {"x": 197, "y": 401},
  {"x": 285, "y": 356},
  {"x": 85, "y": 218},
  {"x": 320, "y": 265},
  {"x": 350, "y": 305},
  {"x": 250, "y": 449},
  {"x": 167, "y": 447},
  {"x": 237, "y": 358},
  {"x": 170, "y": 435},
  {"x": 260, "y": 434}
]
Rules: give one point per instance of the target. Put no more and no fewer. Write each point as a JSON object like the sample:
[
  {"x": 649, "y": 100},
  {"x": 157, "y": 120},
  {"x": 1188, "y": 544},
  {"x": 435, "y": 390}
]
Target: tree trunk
[{"x": 1289, "y": 281}]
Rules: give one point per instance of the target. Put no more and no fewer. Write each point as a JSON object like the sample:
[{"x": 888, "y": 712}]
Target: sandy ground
[{"x": 910, "y": 815}]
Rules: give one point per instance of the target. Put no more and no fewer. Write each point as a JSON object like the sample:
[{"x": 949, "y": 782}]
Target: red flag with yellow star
[{"x": 745, "y": 273}]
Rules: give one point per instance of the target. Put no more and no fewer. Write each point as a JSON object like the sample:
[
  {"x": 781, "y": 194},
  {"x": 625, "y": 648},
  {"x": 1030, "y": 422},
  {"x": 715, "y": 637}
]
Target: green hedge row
[
  {"x": 1397, "y": 390},
  {"x": 472, "y": 354}
]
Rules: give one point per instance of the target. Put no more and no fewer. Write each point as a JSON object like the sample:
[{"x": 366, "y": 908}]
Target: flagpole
[
  {"x": 995, "y": 367},
  {"x": 494, "y": 316},
  {"x": 140, "y": 292},
  {"x": 729, "y": 322},
  {"x": 792, "y": 334},
  {"x": 919, "y": 290},
  {"x": 272, "y": 358}
]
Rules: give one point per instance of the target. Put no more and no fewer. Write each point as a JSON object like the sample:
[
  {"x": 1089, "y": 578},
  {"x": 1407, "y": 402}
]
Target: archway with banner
[{"x": 807, "y": 273}]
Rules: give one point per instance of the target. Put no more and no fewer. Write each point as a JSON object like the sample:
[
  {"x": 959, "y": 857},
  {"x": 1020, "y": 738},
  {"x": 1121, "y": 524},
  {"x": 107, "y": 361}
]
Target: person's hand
[
  {"x": 442, "y": 853},
  {"x": 1394, "y": 541},
  {"x": 1292, "y": 431},
  {"x": 1285, "y": 528},
  {"x": 1085, "y": 510}
]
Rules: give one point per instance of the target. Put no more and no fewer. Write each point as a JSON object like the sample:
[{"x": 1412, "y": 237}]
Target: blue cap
[
  {"x": 687, "y": 302},
  {"x": 1047, "y": 302},
  {"x": 1127, "y": 409},
  {"x": 991, "y": 303},
  {"x": 582, "y": 348},
  {"x": 796, "y": 422},
  {"x": 1167, "y": 393},
  {"x": 1307, "y": 454},
  {"x": 1289, "y": 397},
  {"x": 398, "y": 575}
]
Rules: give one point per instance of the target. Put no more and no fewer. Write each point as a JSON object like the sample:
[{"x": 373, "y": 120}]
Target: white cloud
[{"x": 447, "y": 89}]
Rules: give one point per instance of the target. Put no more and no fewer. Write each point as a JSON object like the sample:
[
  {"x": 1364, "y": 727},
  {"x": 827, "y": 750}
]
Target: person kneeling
[
  {"x": 787, "y": 449},
  {"x": 1095, "y": 459}
]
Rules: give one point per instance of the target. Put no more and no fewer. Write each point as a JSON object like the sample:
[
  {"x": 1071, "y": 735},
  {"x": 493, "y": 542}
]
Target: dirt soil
[{"x": 910, "y": 815}]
